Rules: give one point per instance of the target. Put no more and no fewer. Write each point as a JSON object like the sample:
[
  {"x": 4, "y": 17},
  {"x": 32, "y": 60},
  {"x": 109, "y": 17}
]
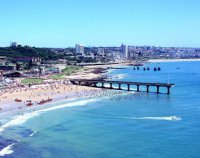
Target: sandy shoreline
[
  {"x": 172, "y": 60},
  {"x": 37, "y": 93},
  {"x": 55, "y": 90}
]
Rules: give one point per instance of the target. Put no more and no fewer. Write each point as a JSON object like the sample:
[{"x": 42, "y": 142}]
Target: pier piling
[
  {"x": 119, "y": 86},
  {"x": 168, "y": 90},
  {"x": 147, "y": 88},
  {"x": 158, "y": 91},
  {"x": 138, "y": 88},
  {"x": 111, "y": 86}
]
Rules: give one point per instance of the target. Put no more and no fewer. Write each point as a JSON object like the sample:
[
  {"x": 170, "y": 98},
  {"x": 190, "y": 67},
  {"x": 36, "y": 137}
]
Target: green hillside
[{"x": 19, "y": 51}]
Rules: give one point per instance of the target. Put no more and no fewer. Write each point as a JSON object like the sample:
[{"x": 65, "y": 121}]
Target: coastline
[
  {"x": 172, "y": 60},
  {"x": 61, "y": 90}
]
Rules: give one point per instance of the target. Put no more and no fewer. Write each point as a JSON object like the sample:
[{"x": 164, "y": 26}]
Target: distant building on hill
[
  {"x": 100, "y": 51},
  {"x": 79, "y": 49},
  {"x": 124, "y": 50},
  {"x": 13, "y": 44}
]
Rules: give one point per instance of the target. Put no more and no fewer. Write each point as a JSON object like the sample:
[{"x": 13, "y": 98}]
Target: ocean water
[{"x": 119, "y": 125}]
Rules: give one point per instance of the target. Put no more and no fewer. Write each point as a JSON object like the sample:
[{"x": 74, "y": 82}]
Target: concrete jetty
[{"x": 101, "y": 84}]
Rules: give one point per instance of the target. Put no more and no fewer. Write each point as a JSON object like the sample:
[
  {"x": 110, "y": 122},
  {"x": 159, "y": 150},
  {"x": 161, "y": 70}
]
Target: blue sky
[{"x": 63, "y": 23}]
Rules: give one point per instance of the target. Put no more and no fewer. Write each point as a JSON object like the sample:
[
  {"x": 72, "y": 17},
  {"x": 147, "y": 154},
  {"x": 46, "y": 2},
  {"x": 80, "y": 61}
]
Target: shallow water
[{"x": 119, "y": 125}]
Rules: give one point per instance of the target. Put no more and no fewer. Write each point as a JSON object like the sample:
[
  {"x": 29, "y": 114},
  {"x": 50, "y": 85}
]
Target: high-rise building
[
  {"x": 79, "y": 49},
  {"x": 124, "y": 50},
  {"x": 13, "y": 44},
  {"x": 100, "y": 51}
]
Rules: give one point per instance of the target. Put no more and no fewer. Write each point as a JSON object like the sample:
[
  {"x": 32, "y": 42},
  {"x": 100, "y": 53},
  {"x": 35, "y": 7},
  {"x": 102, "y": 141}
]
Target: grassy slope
[{"x": 31, "y": 80}]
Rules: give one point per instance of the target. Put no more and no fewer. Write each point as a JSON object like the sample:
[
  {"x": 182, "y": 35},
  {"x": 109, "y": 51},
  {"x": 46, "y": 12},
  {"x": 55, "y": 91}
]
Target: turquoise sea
[{"x": 120, "y": 125}]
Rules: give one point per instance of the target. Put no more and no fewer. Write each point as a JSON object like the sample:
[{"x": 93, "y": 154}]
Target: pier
[{"x": 101, "y": 84}]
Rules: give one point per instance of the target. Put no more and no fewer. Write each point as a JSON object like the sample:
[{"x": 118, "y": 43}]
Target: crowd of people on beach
[
  {"x": 25, "y": 96},
  {"x": 32, "y": 95}
]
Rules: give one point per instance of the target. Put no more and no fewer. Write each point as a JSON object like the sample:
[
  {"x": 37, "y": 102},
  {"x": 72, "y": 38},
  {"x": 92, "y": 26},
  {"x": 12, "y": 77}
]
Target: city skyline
[{"x": 100, "y": 23}]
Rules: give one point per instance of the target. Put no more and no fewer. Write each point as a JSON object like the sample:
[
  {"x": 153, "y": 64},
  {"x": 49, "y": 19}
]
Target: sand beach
[{"x": 24, "y": 96}]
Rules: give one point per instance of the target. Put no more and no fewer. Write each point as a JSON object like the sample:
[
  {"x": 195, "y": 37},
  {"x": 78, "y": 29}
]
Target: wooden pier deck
[{"x": 96, "y": 83}]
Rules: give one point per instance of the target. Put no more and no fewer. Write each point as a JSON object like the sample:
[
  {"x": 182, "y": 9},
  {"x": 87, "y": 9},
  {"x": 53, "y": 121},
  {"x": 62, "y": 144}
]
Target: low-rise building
[
  {"x": 32, "y": 60},
  {"x": 13, "y": 74},
  {"x": 7, "y": 67},
  {"x": 3, "y": 60}
]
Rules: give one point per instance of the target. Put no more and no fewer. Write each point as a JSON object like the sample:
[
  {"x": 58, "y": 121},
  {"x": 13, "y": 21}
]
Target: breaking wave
[
  {"x": 166, "y": 118},
  {"x": 21, "y": 119},
  {"x": 32, "y": 134},
  {"x": 7, "y": 150}
]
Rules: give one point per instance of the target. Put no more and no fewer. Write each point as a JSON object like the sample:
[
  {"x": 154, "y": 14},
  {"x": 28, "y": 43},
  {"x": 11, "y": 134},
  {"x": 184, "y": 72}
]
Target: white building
[
  {"x": 124, "y": 50},
  {"x": 100, "y": 51},
  {"x": 79, "y": 49}
]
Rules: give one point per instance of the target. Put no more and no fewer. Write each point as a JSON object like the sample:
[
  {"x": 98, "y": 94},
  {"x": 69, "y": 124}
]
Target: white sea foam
[
  {"x": 166, "y": 118},
  {"x": 21, "y": 119},
  {"x": 119, "y": 76},
  {"x": 18, "y": 120},
  {"x": 78, "y": 103},
  {"x": 7, "y": 150},
  {"x": 32, "y": 134}
]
